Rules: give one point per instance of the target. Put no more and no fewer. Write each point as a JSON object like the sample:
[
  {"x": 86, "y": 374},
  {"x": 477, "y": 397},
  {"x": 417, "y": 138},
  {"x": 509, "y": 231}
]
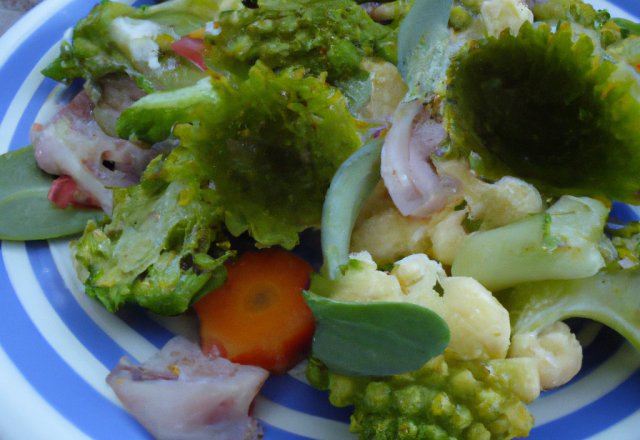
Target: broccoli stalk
[{"x": 445, "y": 399}]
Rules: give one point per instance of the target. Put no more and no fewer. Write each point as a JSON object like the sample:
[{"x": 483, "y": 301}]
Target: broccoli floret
[{"x": 446, "y": 399}]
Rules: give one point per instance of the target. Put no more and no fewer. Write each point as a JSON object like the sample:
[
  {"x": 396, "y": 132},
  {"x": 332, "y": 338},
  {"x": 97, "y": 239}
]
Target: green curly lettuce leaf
[
  {"x": 154, "y": 252},
  {"x": 269, "y": 147},
  {"x": 541, "y": 107},
  {"x": 445, "y": 399},
  {"x": 258, "y": 157}
]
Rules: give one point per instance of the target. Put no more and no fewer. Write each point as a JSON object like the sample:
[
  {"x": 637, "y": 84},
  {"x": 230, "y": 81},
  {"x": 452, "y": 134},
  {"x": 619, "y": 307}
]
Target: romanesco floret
[{"x": 446, "y": 399}]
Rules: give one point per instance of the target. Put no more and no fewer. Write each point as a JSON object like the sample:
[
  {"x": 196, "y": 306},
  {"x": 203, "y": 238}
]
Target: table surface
[{"x": 12, "y": 10}]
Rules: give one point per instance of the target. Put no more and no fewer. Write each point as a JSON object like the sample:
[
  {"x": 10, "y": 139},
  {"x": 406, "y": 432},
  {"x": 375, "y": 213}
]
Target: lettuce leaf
[
  {"x": 258, "y": 157},
  {"x": 93, "y": 53},
  {"x": 155, "y": 249},
  {"x": 269, "y": 147},
  {"x": 542, "y": 107}
]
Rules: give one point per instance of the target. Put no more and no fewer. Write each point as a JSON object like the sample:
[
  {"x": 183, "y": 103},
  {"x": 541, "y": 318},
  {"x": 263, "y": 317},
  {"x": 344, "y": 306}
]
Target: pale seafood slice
[
  {"x": 181, "y": 394},
  {"x": 408, "y": 174}
]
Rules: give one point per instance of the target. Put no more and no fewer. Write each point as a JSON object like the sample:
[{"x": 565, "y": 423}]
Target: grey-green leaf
[
  {"x": 375, "y": 338},
  {"x": 351, "y": 185},
  {"x": 25, "y": 212}
]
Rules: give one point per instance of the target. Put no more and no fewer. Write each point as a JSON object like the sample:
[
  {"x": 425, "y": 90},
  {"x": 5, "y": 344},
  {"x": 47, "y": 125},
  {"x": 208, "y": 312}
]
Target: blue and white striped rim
[{"x": 57, "y": 345}]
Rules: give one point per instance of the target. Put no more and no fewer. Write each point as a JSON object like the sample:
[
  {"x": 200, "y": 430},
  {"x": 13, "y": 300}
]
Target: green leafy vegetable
[
  {"x": 258, "y": 157},
  {"x": 543, "y": 97},
  {"x": 351, "y": 185},
  {"x": 444, "y": 399},
  {"x": 627, "y": 27},
  {"x": 154, "y": 252},
  {"x": 269, "y": 147},
  {"x": 96, "y": 50},
  {"x": 375, "y": 338},
  {"x": 609, "y": 297},
  {"x": 27, "y": 214}
]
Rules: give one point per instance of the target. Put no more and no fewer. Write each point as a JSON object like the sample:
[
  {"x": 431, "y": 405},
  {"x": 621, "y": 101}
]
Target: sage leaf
[
  {"x": 25, "y": 211},
  {"x": 351, "y": 185},
  {"x": 375, "y": 338}
]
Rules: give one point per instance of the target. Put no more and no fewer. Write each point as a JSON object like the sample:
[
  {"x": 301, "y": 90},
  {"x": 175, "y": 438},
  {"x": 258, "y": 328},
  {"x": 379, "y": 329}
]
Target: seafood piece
[
  {"x": 406, "y": 169},
  {"x": 181, "y": 394},
  {"x": 72, "y": 144}
]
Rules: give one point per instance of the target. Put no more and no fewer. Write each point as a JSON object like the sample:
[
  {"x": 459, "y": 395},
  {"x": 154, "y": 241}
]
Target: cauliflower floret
[
  {"x": 402, "y": 236},
  {"x": 442, "y": 235},
  {"x": 137, "y": 37},
  {"x": 478, "y": 324},
  {"x": 502, "y": 14},
  {"x": 447, "y": 237},
  {"x": 387, "y": 89},
  {"x": 504, "y": 202},
  {"x": 555, "y": 349},
  {"x": 365, "y": 283}
]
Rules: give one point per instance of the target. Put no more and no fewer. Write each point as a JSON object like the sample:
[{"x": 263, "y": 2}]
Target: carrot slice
[{"x": 259, "y": 317}]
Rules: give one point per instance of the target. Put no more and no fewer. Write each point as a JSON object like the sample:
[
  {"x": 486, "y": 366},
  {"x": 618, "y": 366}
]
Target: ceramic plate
[{"x": 57, "y": 345}]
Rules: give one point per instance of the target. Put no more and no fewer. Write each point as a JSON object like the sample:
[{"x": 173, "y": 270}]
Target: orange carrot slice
[{"x": 259, "y": 317}]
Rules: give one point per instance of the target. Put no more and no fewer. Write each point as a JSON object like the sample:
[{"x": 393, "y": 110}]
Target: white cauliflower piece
[
  {"x": 387, "y": 88},
  {"x": 555, "y": 349},
  {"x": 501, "y": 14},
  {"x": 402, "y": 236},
  {"x": 447, "y": 237},
  {"x": 137, "y": 38},
  {"x": 366, "y": 283},
  {"x": 504, "y": 202},
  {"x": 478, "y": 323}
]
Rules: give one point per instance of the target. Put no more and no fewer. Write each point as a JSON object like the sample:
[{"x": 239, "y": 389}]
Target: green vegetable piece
[
  {"x": 375, "y": 338},
  {"x": 351, "y": 185},
  {"x": 575, "y": 11},
  {"x": 27, "y": 214},
  {"x": 609, "y": 297},
  {"x": 152, "y": 118},
  {"x": 562, "y": 243},
  {"x": 322, "y": 35},
  {"x": 93, "y": 52},
  {"x": 422, "y": 41},
  {"x": 445, "y": 399},
  {"x": 627, "y": 27},
  {"x": 269, "y": 146},
  {"x": 460, "y": 19},
  {"x": 154, "y": 252},
  {"x": 542, "y": 96}
]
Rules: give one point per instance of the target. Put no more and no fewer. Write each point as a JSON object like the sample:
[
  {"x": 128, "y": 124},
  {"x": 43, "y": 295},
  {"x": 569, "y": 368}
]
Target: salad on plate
[{"x": 405, "y": 200}]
